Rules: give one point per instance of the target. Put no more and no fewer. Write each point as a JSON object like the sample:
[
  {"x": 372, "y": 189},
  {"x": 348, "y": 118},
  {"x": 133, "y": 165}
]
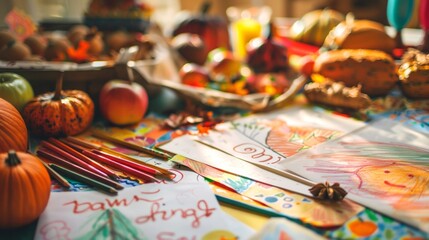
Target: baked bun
[
  {"x": 359, "y": 34},
  {"x": 336, "y": 94},
  {"x": 414, "y": 74},
  {"x": 374, "y": 70}
]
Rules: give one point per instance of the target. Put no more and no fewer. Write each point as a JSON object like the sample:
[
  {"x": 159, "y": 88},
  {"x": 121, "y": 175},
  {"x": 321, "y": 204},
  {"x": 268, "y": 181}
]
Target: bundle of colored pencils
[{"x": 97, "y": 166}]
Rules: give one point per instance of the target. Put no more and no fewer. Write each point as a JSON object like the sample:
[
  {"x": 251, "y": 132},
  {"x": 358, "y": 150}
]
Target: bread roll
[
  {"x": 374, "y": 70},
  {"x": 337, "y": 95},
  {"x": 414, "y": 74},
  {"x": 359, "y": 34}
]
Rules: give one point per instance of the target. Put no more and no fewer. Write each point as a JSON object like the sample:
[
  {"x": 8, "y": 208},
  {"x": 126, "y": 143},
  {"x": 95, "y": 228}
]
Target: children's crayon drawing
[
  {"x": 417, "y": 119},
  {"x": 384, "y": 166},
  {"x": 293, "y": 205},
  {"x": 283, "y": 229},
  {"x": 371, "y": 225},
  {"x": 187, "y": 147},
  {"x": 149, "y": 211},
  {"x": 269, "y": 139}
]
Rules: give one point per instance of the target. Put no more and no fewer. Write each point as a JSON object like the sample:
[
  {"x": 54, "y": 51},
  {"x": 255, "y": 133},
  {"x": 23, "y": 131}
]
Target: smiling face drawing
[{"x": 396, "y": 179}]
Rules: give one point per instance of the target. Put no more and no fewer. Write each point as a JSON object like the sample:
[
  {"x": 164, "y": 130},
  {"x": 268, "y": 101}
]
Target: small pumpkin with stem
[
  {"x": 25, "y": 188},
  {"x": 59, "y": 113},
  {"x": 13, "y": 131}
]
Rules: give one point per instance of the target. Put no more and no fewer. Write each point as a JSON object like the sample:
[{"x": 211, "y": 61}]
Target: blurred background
[{"x": 74, "y": 10}]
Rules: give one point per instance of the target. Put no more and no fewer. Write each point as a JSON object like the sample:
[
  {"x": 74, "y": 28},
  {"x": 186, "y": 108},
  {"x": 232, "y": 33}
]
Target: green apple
[{"x": 15, "y": 89}]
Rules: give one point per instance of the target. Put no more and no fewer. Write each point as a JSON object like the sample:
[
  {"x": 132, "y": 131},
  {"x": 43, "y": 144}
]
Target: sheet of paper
[
  {"x": 384, "y": 166},
  {"x": 187, "y": 147},
  {"x": 372, "y": 225},
  {"x": 293, "y": 205},
  {"x": 268, "y": 139},
  {"x": 149, "y": 211},
  {"x": 281, "y": 228}
]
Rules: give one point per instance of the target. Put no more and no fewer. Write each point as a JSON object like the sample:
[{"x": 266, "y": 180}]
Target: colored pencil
[
  {"x": 84, "y": 158},
  {"x": 71, "y": 158},
  {"x": 150, "y": 151},
  {"x": 247, "y": 207},
  {"x": 81, "y": 178},
  {"x": 80, "y": 144},
  {"x": 140, "y": 167},
  {"x": 63, "y": 182},
  {"x": 119, "y": 166},
  {"x": 76, "y": 147},
  {"x": 63, "y": 162}
]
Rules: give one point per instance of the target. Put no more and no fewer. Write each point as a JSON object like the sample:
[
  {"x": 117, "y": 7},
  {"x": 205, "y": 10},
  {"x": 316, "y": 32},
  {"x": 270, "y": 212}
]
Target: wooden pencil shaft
[
  {"x": 288, "y": 175},
  {"x": 72, "y": 158},
  {"x": 75, "y": 146},
  {"x": 126, "y": 162},
  {"x": 150, "y": 151},
  {"x": 80, "y": 145},
  {"x": 116, "y": 153},
  {"x": 91, "y": 182},
  {"x": 63, "y": 162},
  {"x": 121, "y": 167},
  {"x": 57, "y": 176},
  {"x": 84, "y": 158}
]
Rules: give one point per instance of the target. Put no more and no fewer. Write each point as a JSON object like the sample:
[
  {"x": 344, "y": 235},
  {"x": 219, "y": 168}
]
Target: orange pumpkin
[
  {"x": 13, "y": 132},
  {"x": 59, "y": 113},
  {"x": 24, "y": 189}
]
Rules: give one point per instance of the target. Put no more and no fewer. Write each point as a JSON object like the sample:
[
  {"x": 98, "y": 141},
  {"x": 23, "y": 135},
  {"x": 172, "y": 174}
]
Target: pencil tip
[{"x": 113, "y": 191}]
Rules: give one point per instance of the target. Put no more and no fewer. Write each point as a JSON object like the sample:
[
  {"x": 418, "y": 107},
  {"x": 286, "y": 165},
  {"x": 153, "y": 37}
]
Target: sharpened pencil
[
  {"x": 84, "y": 158},
  {"x": 141, "y": 167},
  {"x": 81, "y": 178},
  {"x": 122, "y": 167},
  {"x": 80, "y": 145},
  {"x": 63, "y": 182},
  {"x": 81, "y": 142},
  {"x": 71, "y": 158},
  {"x": 150, "y": 151},
  {"x": 63, "y": 162}
]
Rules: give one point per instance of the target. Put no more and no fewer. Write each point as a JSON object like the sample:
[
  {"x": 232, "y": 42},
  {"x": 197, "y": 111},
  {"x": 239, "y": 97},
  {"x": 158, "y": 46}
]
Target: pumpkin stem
[
  {"x": 12, "y": 159},
  {"x": 59, "y": 87}
]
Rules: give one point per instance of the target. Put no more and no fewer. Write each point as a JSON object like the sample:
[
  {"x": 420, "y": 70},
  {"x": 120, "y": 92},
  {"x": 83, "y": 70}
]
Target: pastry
[
  {"x": 374, "y": 70},
  {"x": 414, "y": 74},
  {"x": 336, "y": 94},
  {"x": 359, "y": 34}
]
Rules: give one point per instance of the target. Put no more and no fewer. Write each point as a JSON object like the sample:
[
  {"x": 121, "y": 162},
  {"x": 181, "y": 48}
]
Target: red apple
[
  {"x": 194, "y": 75},
  {"x": 123, "y": 102}
]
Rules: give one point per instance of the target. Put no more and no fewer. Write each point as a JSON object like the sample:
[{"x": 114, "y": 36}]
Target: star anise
[{"x": 327, "y": 192}]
